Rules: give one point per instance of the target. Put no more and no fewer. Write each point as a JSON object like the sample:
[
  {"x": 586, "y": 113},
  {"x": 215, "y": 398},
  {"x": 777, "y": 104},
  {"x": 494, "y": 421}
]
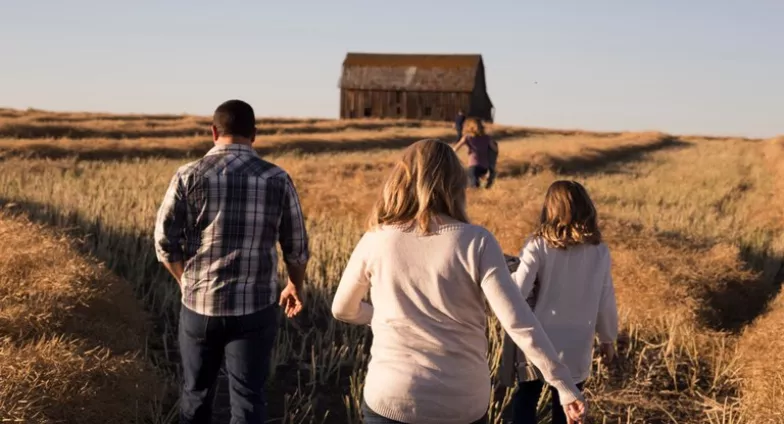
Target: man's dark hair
[{"x": 234, "y": 117}]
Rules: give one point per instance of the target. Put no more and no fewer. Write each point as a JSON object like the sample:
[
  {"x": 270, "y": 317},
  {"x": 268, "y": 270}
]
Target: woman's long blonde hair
[
  {"x": 568, "y": 217},
  {"x": 474, "y": 127},
  {"x": 429, "y": 180}
]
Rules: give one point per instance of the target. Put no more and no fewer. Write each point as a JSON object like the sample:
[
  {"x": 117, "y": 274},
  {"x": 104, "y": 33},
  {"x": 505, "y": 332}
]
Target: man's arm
[
  {"x": 169, "y": 228},
  {"x": 175, "y": 269},
  {"x": 296, "y": 273},
  {"x": 294, "y": 244}
]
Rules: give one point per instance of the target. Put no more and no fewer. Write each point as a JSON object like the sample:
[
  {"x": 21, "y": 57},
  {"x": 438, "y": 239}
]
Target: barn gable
[{"x": 413, "y": 86}]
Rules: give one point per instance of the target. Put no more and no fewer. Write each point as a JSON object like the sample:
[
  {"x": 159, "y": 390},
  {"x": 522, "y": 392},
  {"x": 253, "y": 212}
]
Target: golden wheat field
[{"x": 695, "y": 227}]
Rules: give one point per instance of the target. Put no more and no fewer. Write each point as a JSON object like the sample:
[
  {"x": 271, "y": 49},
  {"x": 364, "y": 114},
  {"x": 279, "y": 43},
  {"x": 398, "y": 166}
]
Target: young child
[
  {"x": 482, "y": 152},
  {"x": 564, "y": 272}
]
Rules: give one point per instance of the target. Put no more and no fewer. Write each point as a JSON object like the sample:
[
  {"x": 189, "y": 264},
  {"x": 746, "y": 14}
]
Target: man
[
  {"x": 459, "y": 120},
  {"x": 216, "y": 233}
]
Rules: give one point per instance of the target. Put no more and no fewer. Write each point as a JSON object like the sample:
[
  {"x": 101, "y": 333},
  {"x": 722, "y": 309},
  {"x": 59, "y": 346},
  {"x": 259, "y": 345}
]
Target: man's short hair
[{"x": 234, "y": 117}]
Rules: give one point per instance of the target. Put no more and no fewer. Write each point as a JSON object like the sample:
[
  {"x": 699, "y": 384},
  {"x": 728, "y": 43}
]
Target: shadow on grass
[
  {"x": 590, "y": 161},
  {"x": 123, "y": 151},
  {"x": 733, "y": 299},
  {"x": 594, "y": 161},
  {"x": 109, "y": 314},
  {"x": 48, "y": 129},
  {"x": 130, "y": 255},
  {"x": 59, "y": 118}
]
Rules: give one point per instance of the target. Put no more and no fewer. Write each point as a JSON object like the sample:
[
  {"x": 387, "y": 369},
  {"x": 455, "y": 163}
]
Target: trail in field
[{"x": 681, "y": 217}]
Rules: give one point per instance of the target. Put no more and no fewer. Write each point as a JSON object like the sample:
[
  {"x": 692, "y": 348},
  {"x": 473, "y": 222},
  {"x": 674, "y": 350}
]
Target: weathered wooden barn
[{"x": 414, "y": 86}]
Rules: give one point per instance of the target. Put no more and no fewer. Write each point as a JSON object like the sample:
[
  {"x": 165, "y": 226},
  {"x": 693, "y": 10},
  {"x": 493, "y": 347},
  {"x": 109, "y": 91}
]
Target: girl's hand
[
  {"x": 575, "y": 412},
  {"x": 608, "y": 352},
  {"x": 512, "y": 262}
]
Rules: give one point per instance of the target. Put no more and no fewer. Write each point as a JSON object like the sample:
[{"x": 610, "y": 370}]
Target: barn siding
[
  {"x": 394, "y": 104},
  {"x": 426, "y": 87}
]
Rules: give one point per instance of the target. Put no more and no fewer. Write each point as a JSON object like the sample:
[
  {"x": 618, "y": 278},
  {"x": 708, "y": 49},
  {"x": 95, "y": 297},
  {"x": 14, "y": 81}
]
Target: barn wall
[
  {"x": 436, "y": 106},
  {"x": 481, "y": 106}
]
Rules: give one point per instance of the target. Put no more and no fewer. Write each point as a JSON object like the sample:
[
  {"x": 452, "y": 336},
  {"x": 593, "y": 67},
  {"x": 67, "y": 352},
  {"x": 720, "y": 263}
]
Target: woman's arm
[
  {"x": 348, "y": 305},
  {"x": 520, "y": 323}
]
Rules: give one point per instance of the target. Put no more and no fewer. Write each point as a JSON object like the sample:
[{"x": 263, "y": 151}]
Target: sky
[{"x": 681, "y": 66}]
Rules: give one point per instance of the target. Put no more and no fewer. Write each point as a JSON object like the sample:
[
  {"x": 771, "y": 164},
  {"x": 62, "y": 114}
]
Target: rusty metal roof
[
  {"x": 418, "y": 60},
  {"x": 410, "y": 72}
]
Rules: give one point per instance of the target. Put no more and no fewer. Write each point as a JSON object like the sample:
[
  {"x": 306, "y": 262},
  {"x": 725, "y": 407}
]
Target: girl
[
  {"x": 564, "y": 273},
  {"x": 427, "y": 270},
  {"x": 482, "y": 152}
]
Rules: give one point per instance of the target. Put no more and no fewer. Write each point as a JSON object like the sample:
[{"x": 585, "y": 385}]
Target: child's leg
[
  {"x": 559, "y": 417},
  {"x": 492, "y": 161},
  {"x": 490, "y": 178},
  {"x": 473, "y": 180},
  {"x": 525, "y": 400},
  {"x": 474, "y": 174}
]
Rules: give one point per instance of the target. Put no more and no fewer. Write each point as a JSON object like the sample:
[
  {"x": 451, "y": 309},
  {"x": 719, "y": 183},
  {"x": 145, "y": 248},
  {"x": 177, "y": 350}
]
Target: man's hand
[
  {"x": 608, "y": 352},
  {"x": 290, "y": 301},
  {"x": 289, "y": 297},
  {"x": 575, "y": 412},
  {"x": 176, "y": 269}
]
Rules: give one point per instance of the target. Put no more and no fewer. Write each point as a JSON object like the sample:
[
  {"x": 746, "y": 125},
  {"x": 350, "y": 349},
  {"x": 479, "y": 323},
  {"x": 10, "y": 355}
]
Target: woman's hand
[{"x": 575, "y": 412}]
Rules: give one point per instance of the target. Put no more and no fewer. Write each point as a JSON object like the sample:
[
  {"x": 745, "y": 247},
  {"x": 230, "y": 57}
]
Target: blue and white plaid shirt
[{"x": 223, "y": 215}]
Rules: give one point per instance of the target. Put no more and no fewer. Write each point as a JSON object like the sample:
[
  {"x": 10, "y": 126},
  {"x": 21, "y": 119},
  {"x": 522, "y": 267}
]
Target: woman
[
  {"x": 426, "y": 269},
  {"x": 565, "y": 273},
  {"x": 482, "y": 152}
]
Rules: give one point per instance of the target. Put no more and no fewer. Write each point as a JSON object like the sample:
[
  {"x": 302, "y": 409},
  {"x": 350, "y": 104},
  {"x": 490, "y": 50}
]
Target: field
[{"x": 695, "y": 227}]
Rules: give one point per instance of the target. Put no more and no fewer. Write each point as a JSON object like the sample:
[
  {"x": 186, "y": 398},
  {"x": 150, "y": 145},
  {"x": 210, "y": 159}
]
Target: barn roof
[{"x": 410, "y": 72}]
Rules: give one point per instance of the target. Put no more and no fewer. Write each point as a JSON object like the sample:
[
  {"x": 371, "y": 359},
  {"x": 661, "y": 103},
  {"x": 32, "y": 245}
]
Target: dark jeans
[
  {"x": 475, "y": 172},
  {"x": 527, "y": 397},
  {"x": 370, "y": 417},
  {"x": 245, "y": 342},
  {"x": 492, "y": 160}
]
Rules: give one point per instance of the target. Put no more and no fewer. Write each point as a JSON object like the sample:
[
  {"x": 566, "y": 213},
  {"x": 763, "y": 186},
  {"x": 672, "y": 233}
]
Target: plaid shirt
[{"x": 222, "y": 215}]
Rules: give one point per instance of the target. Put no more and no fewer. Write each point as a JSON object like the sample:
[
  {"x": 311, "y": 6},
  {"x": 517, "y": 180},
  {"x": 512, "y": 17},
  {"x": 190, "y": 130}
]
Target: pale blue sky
[{"x": 689, "y": 66}]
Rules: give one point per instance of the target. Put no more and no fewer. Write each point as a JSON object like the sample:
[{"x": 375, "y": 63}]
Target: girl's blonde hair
[
  {"x": 474, "y": 127},
  {"x": 429, "y": 180},
  {"x": 568, "y": 217}
]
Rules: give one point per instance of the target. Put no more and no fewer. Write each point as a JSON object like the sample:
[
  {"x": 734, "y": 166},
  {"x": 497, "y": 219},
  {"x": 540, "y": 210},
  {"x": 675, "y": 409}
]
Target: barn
[{"x": 414, "y": 86}]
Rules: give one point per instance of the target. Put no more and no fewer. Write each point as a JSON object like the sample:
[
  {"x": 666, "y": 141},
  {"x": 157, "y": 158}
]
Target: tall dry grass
[
  {"x": 762, "y": 362},
  {"x": 681, "y": 218},
  {"x": 72, "y": 336},
  {"x": 762, "y": 345}
]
